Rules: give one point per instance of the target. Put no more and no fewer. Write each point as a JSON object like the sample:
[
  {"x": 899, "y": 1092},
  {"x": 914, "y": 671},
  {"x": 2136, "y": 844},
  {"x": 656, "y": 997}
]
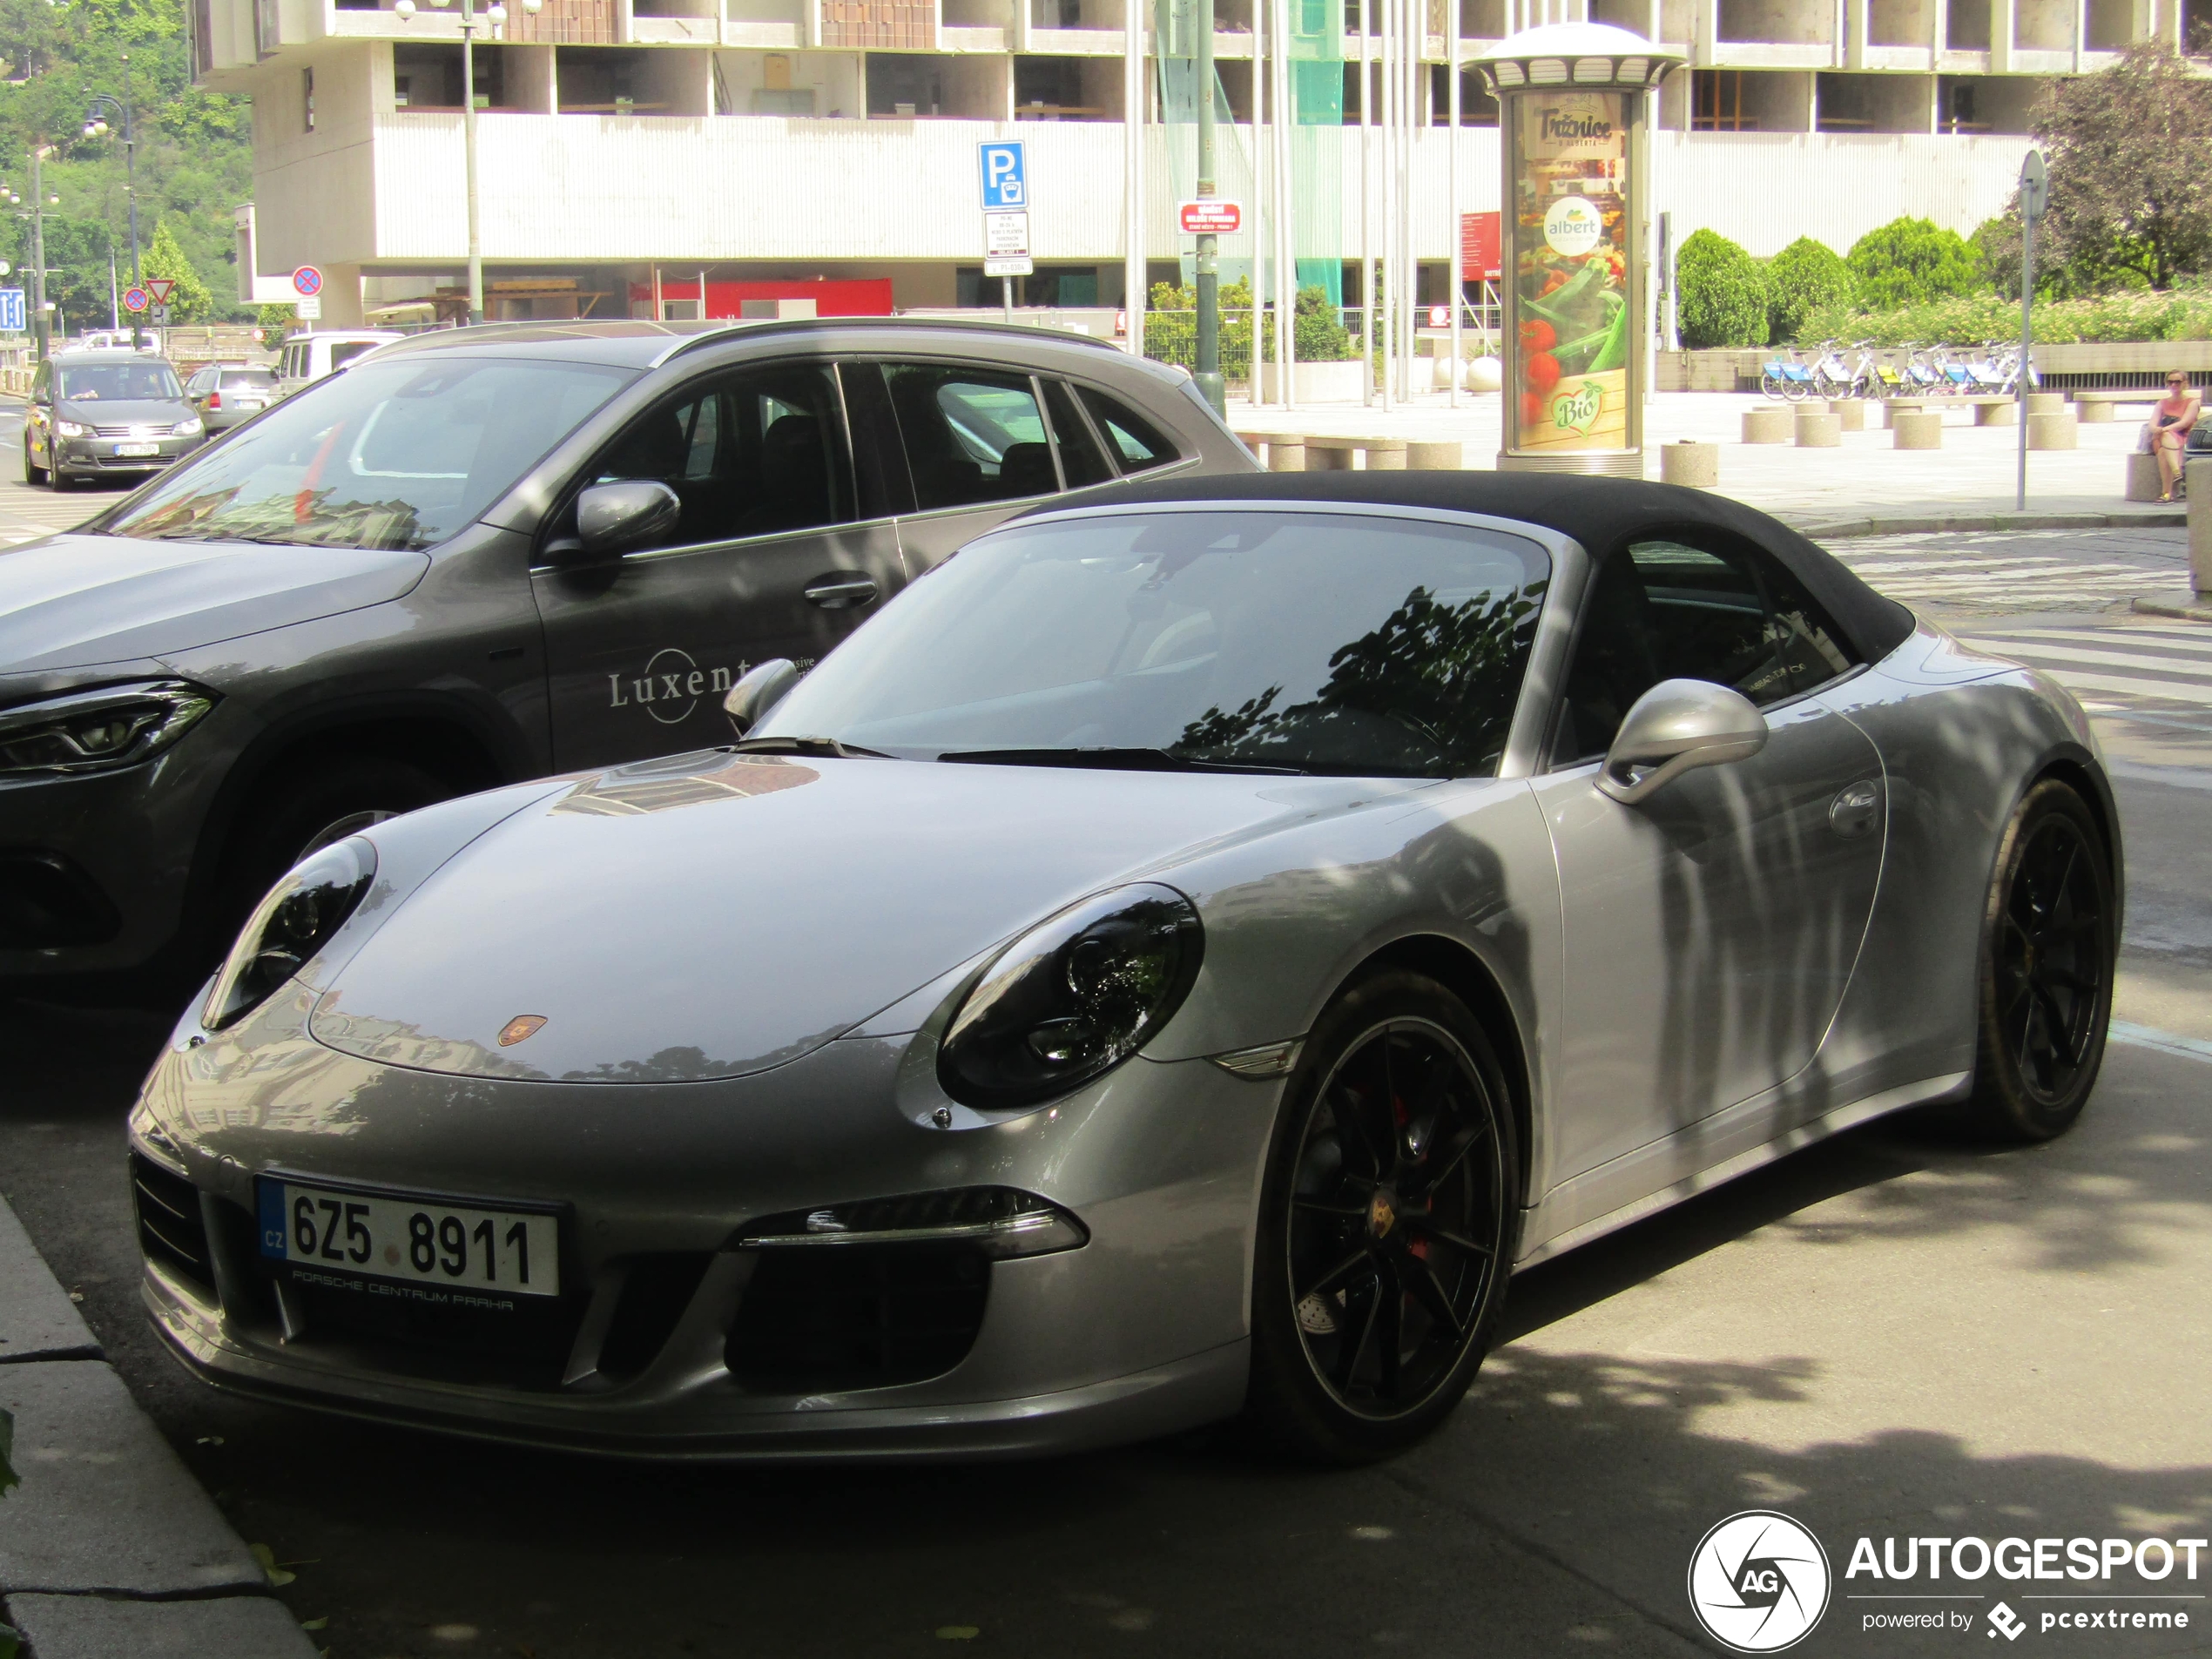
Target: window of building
[
  {"x": 1717, "y": 102},
  {"x": 1065, "y": 89},
  {"x": 598, "y": 81},
  {"x": 428, "y": 77}
]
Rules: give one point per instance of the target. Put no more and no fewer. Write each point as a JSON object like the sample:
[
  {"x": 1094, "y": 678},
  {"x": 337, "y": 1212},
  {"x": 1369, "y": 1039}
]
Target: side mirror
[
  {"x": 609, "y": 517},
  {"x": 758, "y": 689},
  {"x": 1674, "y": 728}
]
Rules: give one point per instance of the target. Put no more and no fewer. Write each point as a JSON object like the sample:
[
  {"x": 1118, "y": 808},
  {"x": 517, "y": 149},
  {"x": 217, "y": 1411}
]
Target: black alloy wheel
[
  {"x": 1386, "y": 1227},
  {"x": 2049, "y": 941}
]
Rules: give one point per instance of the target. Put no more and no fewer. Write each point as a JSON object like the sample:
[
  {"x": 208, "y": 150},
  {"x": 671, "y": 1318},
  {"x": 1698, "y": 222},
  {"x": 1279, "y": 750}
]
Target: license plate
[
  {"x": 137, "y": 449},
  {"x": 414, "y": 1240}
]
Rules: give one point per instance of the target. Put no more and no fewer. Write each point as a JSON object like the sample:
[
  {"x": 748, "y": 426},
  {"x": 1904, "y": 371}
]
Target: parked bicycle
[{"x": 1787, "y": 377}]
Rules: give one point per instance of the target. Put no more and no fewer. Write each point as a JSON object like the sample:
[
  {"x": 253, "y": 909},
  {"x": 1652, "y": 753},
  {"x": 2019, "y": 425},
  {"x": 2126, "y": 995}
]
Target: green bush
[
  {"x": 2180, "y": 313},
  {"x": 1805, "y": 277},
  {"x": 1911, "y": 261},
  {"x": 1720, "y": 293}
]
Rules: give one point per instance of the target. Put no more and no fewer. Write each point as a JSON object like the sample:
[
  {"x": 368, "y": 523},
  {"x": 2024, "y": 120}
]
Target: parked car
[
  {"x": 228, "y": 394},
  {"x": 306, "y": 358},
  {"x": 149, "y": 340},
  {"x": 105, "y": 414},
  {"x": 482, "y": 556},
  {"x": 1175, "y": 960}
]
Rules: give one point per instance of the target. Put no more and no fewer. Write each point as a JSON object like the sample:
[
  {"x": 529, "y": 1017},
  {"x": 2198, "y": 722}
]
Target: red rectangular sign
[
  {"x": 1210, "y": 217},
  {"x": 1479, "y": 246}
]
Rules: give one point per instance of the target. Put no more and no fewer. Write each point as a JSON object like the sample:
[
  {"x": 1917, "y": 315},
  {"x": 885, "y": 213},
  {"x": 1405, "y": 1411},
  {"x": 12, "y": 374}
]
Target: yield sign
[{"x": 160, "y": 289}]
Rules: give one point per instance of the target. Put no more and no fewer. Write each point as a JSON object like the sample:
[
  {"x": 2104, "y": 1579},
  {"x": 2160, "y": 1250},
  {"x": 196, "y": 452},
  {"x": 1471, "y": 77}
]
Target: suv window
[
  {"x": 971, "y": 435},
  {"x": 1080, "y": 463},
  {"x": 1670, "y": 610},
  {"x": 758, "y": 452},
  {"x": 246, "y": 378},
  {"x": 1136, "y": 442},
  {"x": 346, "y": 350}
]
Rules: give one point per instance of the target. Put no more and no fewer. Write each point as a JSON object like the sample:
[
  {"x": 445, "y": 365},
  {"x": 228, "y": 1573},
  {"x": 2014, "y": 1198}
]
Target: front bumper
[
  {"x": 88, "y": 455},
  {"x": 1141, "y": 1332}
]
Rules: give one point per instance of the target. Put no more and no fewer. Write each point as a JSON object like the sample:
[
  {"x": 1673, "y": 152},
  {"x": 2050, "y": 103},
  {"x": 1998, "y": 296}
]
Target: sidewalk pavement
[
  {"x": 109, "y": 1547},
  {"x": 1866, "y": 486}
]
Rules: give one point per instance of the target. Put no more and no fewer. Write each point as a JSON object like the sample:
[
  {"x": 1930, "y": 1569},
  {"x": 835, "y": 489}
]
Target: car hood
[
  {"x": 717, "y": 916},
  {"x": 110, "y": 411},
  {"x": 74, "y": 599}
]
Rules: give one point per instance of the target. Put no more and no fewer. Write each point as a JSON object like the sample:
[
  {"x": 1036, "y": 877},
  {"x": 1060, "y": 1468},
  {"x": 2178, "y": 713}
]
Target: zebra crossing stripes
[
  {"x": 2115, "y": 668},
  {"x": 1968, "y": 580}
]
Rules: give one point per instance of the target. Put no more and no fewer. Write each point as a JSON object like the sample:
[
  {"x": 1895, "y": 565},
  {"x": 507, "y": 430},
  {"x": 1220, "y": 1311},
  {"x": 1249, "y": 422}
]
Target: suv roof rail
[{"x": 807, "y": 325}]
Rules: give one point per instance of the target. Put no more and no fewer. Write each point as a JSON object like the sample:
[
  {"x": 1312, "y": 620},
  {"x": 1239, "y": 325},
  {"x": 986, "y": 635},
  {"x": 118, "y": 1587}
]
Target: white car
[{"x": 308, "y": 358}]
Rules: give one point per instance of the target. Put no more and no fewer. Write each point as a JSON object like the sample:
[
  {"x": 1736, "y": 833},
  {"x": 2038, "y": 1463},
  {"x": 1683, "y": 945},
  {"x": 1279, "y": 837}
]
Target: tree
[
  {"x": 1720, "y": 293},
  {"x": 189, "y": 301},
  {"x": 2127, "y": 150},
  {"x": 1805, "y": 277},
  {"x": 1910, "y": 261}
]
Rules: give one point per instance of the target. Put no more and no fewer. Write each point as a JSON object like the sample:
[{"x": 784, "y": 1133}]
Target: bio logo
[
  {"x": 1759, "y": 1582},
  {"x": 1577, "y": 411}
]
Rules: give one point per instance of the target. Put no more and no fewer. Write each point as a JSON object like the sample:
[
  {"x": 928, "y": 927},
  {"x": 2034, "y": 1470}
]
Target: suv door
[
  {"x": 38, "y": 421},
  {"x": 1711, "y": 929},
  {"x": 772, "y": 556},
  {"x": 980, "y": 444}
]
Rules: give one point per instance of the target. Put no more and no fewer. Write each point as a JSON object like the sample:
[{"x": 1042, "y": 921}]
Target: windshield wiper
[
  {"x": 1113, "y": 761},
  {"x": 829, "y": 746}
]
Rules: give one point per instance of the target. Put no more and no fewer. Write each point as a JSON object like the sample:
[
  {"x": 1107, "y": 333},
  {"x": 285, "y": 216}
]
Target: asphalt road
[{"x": 1892, "y": 1331}]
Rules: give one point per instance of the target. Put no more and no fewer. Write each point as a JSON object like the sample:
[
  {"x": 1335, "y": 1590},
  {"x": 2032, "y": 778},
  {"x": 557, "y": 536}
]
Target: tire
[
  {"x": 1410, "y": 1268},
  {"x": 2045, "y": 973},
  {"x": 31, "y": 474},
  {"x": 303, "y": 811},
  {"x": 58, "y": 481}
]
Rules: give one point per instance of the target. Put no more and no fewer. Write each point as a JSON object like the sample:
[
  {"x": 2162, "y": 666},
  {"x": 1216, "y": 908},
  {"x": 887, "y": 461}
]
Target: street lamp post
[
  {"x": 96, "y": 113},
  {"x": 494, "y": 17},
  {"x": 1209, "y": 375}
]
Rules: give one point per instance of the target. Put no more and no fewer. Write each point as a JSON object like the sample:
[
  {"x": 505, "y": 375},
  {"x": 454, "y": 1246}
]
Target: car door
[
  {"x": 38, "y": 418},
  {"x": 779, "y": 551},
  {"x": 979, "y": 445},
  {"x": 1712, "y": 928}
]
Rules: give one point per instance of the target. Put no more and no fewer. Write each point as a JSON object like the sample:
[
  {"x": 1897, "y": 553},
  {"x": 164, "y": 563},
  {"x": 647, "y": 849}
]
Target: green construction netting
[{"x": 1317, "y": 161}]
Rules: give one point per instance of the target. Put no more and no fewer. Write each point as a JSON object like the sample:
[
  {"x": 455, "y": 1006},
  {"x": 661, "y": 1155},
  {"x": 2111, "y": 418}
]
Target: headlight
[
  {"x": 293, "y": 923},
  {"x": 185, "y": 428},
  {"x": 72, "y": 429},
  {"x": 1072, "y": 998},
  {"x": 117, "y": 725}
]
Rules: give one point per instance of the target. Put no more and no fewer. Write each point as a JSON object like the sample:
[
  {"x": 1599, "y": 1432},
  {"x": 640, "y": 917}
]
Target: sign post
[
  {"x": 1004, "y": 163},
  {"x": 306, "y": 282},
  {"x": 1572, "y": 123},
  {"x": 2035, "y": 195}
]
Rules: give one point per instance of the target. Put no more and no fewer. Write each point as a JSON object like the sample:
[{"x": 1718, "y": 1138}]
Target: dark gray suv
[
  {"x": 105, "y": 414},
  {"x": 486, "y": 555}
]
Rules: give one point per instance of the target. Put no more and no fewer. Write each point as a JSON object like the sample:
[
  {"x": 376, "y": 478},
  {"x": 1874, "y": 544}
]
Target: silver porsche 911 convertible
[{"x": 1175, "y": 963}]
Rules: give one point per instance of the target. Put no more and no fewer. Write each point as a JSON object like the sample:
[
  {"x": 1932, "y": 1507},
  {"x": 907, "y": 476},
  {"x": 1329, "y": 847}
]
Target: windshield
[
  {"x": 248, "y": 377},
  {"x": 152, "y": 381},
  {"x": 1322, "y": 642},
  {"x": 397, "y": 454}
]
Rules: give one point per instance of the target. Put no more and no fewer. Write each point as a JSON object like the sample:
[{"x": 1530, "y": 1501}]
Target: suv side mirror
[
  {"x": 1674, "y": 728},
  {"x": 758, "y": 690},
  {"x": 609, "y": 517}
]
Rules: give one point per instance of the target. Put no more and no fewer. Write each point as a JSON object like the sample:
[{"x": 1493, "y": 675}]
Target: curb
[
  {"x": 109, "y": 1546},
  {"x": 2186, "y": 613},
  {"x": 1912, "y": 523}
]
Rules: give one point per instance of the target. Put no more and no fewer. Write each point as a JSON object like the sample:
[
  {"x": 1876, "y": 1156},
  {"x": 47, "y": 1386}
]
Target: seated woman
[{"x": 2170, "y": 425}]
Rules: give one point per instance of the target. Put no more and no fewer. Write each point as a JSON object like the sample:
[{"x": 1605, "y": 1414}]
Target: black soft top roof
[{"x": 1602, "y": 514}]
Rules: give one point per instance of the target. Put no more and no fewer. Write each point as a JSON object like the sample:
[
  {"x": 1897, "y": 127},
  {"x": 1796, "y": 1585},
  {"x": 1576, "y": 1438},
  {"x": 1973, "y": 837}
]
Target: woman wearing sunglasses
[{"x": 2170, "y": 424}]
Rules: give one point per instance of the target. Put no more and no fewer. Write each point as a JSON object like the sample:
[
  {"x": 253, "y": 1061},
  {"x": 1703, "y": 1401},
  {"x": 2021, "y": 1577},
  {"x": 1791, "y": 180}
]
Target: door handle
[
  {"x": 1856, "y": 811},
  {"x": 841, "y": 590}
]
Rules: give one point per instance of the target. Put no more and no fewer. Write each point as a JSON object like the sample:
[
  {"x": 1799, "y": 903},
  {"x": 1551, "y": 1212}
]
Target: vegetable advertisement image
[{"x": 1571, "y": 273}]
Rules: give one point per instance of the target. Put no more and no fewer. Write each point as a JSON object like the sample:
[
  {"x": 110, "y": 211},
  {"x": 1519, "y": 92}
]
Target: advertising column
[{"x": 1572, "y": 123}]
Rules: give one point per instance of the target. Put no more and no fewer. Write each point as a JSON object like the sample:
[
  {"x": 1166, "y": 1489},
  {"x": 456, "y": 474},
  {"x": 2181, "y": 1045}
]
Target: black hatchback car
[
  {"x": 106, "y": 414},
  {"x": 486, "y": 555}
]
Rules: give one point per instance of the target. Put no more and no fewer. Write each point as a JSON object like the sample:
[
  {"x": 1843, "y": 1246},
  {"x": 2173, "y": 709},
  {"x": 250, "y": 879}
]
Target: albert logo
[{"x": 1759, "y": 1582}]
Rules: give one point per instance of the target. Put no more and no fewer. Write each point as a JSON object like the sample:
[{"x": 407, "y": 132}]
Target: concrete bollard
[
  {"x": 1916, "y": 429},
  {"x": 2197, "y": 476},
  {"x": 2143, "y": 477},
  {"x": 1286, "y": 453},
  {"x": 2048, "y": 402},
  {"x": 1997, "y": 414},
  {"x": 1822, "y": 431},
  {"x": 1686, "y": 462},
  {"x": 1851, "y": 412},
  {"x": 2050, "y": 431},
  {"x": 1385, "y": 455},
  {"x": 1897, "y": 406},
  {"x": 1776, "y": 425},
  {"x": 1435, "y": 457},
  {"x": 1328, "y": 455},
  {"x": 2092, "y": 413}
]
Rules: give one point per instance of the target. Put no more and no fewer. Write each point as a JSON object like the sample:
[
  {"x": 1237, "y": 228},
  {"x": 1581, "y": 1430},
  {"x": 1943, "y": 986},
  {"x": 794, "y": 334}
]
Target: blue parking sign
[
  {"x": 1005, "y": 175},
  {"x": 11, "y": 311}
]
